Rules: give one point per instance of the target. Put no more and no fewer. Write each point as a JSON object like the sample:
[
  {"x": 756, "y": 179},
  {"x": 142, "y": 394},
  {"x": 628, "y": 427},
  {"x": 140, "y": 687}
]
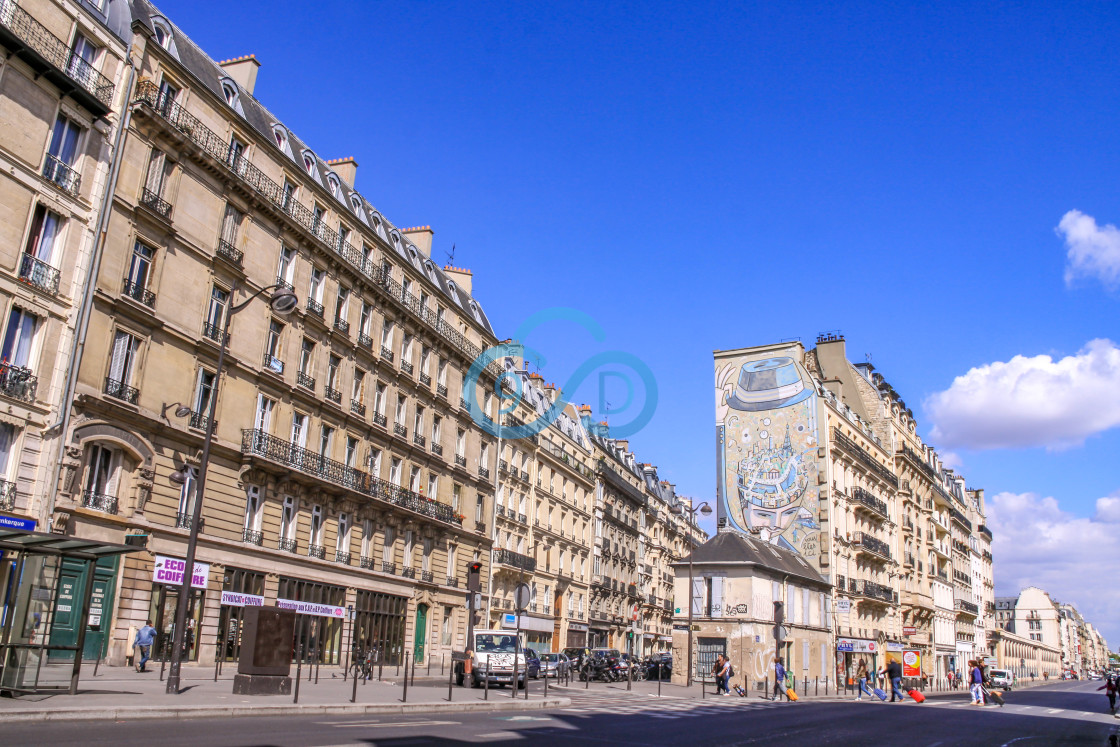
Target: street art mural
[{"x": 767, "y": 439}]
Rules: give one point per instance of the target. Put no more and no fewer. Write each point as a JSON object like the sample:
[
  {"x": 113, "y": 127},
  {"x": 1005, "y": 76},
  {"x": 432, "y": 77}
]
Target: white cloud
[
  {"x": 1035, "y": 401},
  {"x": 1036, "y": 543},
  {"x": 1091, "y": 250},
  {"x": 1108, "y": 509}
]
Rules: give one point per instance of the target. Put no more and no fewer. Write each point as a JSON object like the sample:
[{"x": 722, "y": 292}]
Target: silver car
[{"x": 554, "y": 665}]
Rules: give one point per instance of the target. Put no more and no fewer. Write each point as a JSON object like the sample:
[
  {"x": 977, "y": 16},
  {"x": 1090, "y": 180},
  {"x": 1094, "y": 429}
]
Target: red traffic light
[{"x": 475, "y": 567}]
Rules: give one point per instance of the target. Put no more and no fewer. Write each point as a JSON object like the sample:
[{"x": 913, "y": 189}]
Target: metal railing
[
  {"x": 7, "y": 495},
  {"x": 184, "y": 520},
  {"x": 453, "y": 581},
  {"x": 357, "y": 408},
  {"x": 286, "y": 545},
  {"x": 460, "y": 460},
  {"x": 272, "y": 363},
  {"x": 368, "y": 564},
  {"x": 400, "y": 430},
  {"x": 380, "y": 419},
  {"x": 866, "y": 499},
  {"x": 282, "y": 283},
  {"x": 441, "y": 390},
  {"x": 427, "y": 577},
  {"x": 872, "y": 590},
  {"x": 305, "y": 381},
  {"x": 316, "y": 551},
  {"x": 230, "y": 252},
  {"x": 258, "y": 443},
  {"x": 365, "y": 341},
  {"x": 139, "y": 293},
  {"x": 34, "y": 271},
  {"x": 18, "y": 382},
  {"x": 99, "y": 502},
  {"x": 408, "y": 572},
  {"x": 425, "y": 379},
  {"x": 419, "y": 440},
  {"x": 154, "y": 202},
  {"x": 342, "y": 326},
  {"x": 406, "y": 366},
  {"x": 863, "y": 456},
  {"x": 342, "y": 557},
  {"x": 515, "y": 560},
  {"x": 213, "y": 332},
  {"x": 966, "y": 607},
  {"x": 872, "y": 544},
  {"x": 437, "y": 449},
  {"x": 199, "y": 420},
  {"x": 960, "y": 518},
  {"x": 55, "y": 52},
  {"x": 62, "y": 174},
  {"x": 387, "y": 354},
  {"x": 120, "y": 390},
  {"x": 252, "y": 537},
  {"x": 483, "y": 472},
  {"x": 315, "y": 307},
  {"x": 387, "y": 567},
  {"x": 333, "y": 395}
]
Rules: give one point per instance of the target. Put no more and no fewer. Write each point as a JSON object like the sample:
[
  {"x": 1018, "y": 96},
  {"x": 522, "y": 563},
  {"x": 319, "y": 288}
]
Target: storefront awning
[{"x": 23, "y": 540}]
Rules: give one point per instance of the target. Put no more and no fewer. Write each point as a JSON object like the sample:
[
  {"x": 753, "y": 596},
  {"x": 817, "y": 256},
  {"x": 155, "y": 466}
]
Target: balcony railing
[
  {"x": 387, "y": 354},
  {"x": 441, "y": 390},
  {"x": 387, "y": 567},
  {"x": 155, "y": 203},
  {"x": 427, "y": 577},
  {"x": 453, "y": 581},
  {"x": 38, "y": 273},
  {"x": 863, "y": 456},
  {"x": 342, "y": 326},
  {"x": 425, "y": 379},
  {"x": 357, "y": 408},
  {"x": 184, "y": 520},
  {"x": 333, "y": 395},
  {"x": 408, "y": 572},
  {"x": 18, "y": 382},
  {"x": 483, "y": 472},
  {"x": 7, "y": 495},
  {"x": 217, "y": 148},
  {"x": 272, "y": 363},
  {"x": 460, "y": 460},
  {"x": 380, "y": 419},
  {"x": 516, "y": 560},
  {"x": 315, "y": 307},
  {"x": 251, "y": 537},
  {"x": 286, "y": 545},
  {"x": 99, "y": 502},
  {"x": 308, "y": 382},
  {"x": 120, "y": 390},
  {"x": 966, "y": 607},
  {"x": 199, "y": 420},
  {"x": 282, "y": 283},
  {"x": 406, "y": 367},
  {"x": 872, "y": 590},
  {"x": 137, "y": 292},
  {"x": 213, "y": 332},
  {"x": 872, "y": 544},
  {"x": 369, "y": 564},
  {"x": 342, "y": 557},
  {"x": 419, "y": 440},
  {"x": 255, "y": 442},
  {"x": 437, "y": 449},
  {"x": 230, "y": 252},
  {"x": 316, "y": 551},
  {"x": 866, "y": 499},
  {"x": 62, "y": 175},
  {"x": 365, "y": 341},
  {"x": 400, "y": 430},
  {"x": 47, "y": 53},
  {"x": 960, "y": 518}
]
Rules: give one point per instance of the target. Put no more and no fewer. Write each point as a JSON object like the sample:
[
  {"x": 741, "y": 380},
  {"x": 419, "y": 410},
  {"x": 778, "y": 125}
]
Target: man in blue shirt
[
  {"x": 779, "y": 680},
  {"x": 145, "y": 637}
]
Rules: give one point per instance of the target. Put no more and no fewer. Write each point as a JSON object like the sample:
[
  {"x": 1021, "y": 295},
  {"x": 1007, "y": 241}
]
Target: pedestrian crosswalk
[{"x": 593, "y": 704}]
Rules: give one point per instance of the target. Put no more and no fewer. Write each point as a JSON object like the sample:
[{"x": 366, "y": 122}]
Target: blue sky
[{"x": 710, "y": 175}]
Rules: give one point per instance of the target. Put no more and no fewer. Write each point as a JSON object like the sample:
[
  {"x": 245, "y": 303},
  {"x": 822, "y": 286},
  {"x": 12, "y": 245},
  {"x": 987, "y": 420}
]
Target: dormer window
[
  {"x": 281, "y": 136},
  {"x": 229, "y": 91},
  {"x": 332, "y": 182},
  {"x": 163, "y": 32},
  {"x": 309, "y": 163}
]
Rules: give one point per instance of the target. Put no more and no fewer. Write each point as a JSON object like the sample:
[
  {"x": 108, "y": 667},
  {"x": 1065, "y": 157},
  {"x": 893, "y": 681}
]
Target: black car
[{"x": 532, "y": 663}]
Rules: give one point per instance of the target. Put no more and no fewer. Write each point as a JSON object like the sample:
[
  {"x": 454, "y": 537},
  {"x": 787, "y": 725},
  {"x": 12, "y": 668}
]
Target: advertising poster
[{"x": 911, "y": 663}]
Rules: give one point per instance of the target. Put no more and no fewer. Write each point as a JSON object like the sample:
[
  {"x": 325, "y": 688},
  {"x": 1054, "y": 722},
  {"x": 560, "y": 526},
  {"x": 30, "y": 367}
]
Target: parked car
[
  {"x": 533, "y": 663},
  {"x": 555, "y": 665},
  {"x": 1001, "y": 678}
]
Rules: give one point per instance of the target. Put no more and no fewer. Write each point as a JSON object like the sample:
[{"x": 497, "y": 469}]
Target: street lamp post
[
  {"x": 283, "y": 301},
  {"x": 704, "y": 510}
]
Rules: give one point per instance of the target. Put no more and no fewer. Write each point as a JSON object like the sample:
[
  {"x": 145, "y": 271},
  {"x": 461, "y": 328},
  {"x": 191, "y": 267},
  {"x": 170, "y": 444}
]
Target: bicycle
[{"x": 362, "y": 666}]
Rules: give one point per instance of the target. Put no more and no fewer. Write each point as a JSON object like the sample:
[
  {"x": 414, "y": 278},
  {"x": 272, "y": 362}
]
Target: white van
[
  {"x": 495, "y": 652},
  {"x": 1001, "y": 678}
]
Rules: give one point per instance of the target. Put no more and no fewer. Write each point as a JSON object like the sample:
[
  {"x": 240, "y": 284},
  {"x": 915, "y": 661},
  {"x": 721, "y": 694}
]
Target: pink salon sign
[{"x": 170, "y": 571}]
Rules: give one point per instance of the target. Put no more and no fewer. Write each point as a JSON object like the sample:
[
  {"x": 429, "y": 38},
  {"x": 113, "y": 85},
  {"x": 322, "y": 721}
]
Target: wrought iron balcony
[
  {"x": 7, "y": 495},
  {"x": 367, "y": 563},
  {"x": 230, "y": 252},
  {"x": 286, "y": 545},
  {"x": 99, "y": 502},
  {"x": 387, "y": 567},
  {"x": 523, "y": 519},
  {"x": 380, "y": 419},
  {"x": 357, "y": 408},
  {"x": 200, "y": 421},
  {"x": 155, "y": 203},
  {"x": 872, "y": 590},
  {"x": 289, "y": 455},
  {"x": 37, "y": 273},
  {"x": 252, "y": 537},
  {"x": 308, "y": 382},
  {"x": 419, "y": 440},
  {"x": 872, "y": 544},
  {"x": 342, "y": 326},
  {"x": 441, "y": 390},
  {"x": 483, "y": 472},
  {"x": 316, "y": 551},
  {"x": 503, "y": 467},
  {"x": 272, "y": 363},
  {"x": 863, "y": 456},
  {"x": 400, "y": 430},
  {"x": 462, "y": 404},
  {"x": 18, "y": 382},
  {"x": 460, "y": 460},
  {"x": 406, "y": 367},
  {"x": 480, "y": 527},
  {"x": 137, "y": 292},
  {"x": 427, "y": 577},
  {"x": 315, "y": 307},
  {"x": 960, "y": 518},
  {"x": 524, "y": 476},
  {"x": 333, "y": 395},
  {"x": 437, "y": 449},
  {"x": 425, "y": 379},
  {"x": 62, "y": 175},
  {"x": 342, "y": 557},
  {"x": 967, "y": 608},
  {"x": 386, "y": 353},
  {"x": 184, "y": 520},
  {"x": 214, "y": 332},
  {"x": 120, "y": 390},
  {"x": 515, "y": 560},
  {"x": 863, "y": 498},
  {"x": 50, "y": 56},
  {"x": 282, "y": 283},
  {"x": 365, "y": 341},
  {"x": 408, "y": 572}
]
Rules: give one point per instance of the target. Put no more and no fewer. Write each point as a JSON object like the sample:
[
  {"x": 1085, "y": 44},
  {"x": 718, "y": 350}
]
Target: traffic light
[
  {"x": 779, "y": 613},
  {"x": 474, "y": 576},
  {"x": 629, "y": 635}
]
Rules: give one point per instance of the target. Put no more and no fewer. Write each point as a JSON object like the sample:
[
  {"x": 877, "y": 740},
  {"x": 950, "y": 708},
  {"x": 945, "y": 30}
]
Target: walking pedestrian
[
  {"x": 724, "y": 676},
  {"x": 976, "y": 680},
  {"x": 894, "y": 674},
  {"x": 861, "y": 675},
  {"x": 779, "y": 680},
  {"x": 1110, "y": 688},
  {"x": 145, "y": 637}
]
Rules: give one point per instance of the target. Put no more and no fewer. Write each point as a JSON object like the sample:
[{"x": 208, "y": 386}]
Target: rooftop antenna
[
  {"x": 867, "y": 356},
  {"x": 451, "y": 256}
]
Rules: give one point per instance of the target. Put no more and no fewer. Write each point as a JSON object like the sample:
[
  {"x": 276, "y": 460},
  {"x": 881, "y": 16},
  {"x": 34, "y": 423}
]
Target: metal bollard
[
  {"x": 513, "y": 682},
  {"x": 299, "y": 670},
  {"x": 659, "y": 680},
  {"x": 450, "y": 677},
  {"x": 486, "y": 681},
  {"x": 354, "y": 689},
  {"x": 442, "y": 661},
  {"x": 429, "y": 669},
  {"x": 405, "y": 698},
  {"x": 526, "y": 681},
  {"x": 703, "y": 690},
  {"x": 630, "y": 676},
  {"x": 546, "y": 682},
  {"x": 816, "y": 686},
  {"x": 97, "y": 663},
  {"x": 163, "y": 664}
]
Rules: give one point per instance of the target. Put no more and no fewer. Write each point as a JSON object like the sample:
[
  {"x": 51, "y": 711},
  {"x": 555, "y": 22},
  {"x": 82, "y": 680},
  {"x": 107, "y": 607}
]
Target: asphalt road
[{"x": 1069, "y": 713}]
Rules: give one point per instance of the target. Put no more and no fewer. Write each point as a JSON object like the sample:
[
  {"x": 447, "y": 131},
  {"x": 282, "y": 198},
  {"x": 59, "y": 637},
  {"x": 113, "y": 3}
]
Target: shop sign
[
  {"x": 843, "y": 606},
  {"x": 233, "y": 599},
  {"x": 911, "y": 663},
  {"x": 894, "y": 646},
  {"x": 577, "y": 626},
  {"x": 170, "y": 571},
  {"x": 909, "y": 630},
  {"x": 311, "y": 608},
  {"x": 856, "y": 645},
  {"x": 15, "y": 522},
  {"x": 683, "y": 627}
]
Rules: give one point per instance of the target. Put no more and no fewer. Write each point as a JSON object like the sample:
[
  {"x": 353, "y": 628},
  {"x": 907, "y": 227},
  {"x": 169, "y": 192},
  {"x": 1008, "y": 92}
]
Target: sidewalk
[{"x": 120, "y": 693}]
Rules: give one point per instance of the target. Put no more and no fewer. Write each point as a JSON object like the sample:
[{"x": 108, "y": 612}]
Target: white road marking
[
  {"x": 1055, "y": 710},
  {"x": 373, "y": 724}
]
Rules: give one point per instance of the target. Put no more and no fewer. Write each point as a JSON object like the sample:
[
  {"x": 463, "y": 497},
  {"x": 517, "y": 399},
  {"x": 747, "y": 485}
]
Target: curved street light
[
  {"x": 283, "y": 302},
  {"x": 680, "y": 509}
]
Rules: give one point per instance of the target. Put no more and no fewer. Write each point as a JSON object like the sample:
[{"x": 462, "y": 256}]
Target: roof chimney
[
  {"x": 422, "y": 237},
  {"x": 461, "y": 276},
  {"x": 346, "y": 168},
  {"x": 243, "y": 70}
]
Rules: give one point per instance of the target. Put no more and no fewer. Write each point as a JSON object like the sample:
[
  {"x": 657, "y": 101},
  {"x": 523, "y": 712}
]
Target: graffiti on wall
[{"x": 767, "y": 439}]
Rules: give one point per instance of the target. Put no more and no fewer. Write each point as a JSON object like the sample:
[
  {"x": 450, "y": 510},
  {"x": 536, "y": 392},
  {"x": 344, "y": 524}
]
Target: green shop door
[
  {"x": 72, "y": 580},
  {"x": 420, "y": 633}
]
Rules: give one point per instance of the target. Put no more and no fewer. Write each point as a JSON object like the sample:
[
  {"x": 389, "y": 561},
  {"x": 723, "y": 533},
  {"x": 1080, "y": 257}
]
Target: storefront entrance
[
  {"x": 73, "y": 577},
  {"x": 236, "y": 581},
  {"x": 420, "y": 633},
  {"x": 379, "y": 626},
  {"x": 320, "y": 638},
  {"x": 165, "y": 602}
]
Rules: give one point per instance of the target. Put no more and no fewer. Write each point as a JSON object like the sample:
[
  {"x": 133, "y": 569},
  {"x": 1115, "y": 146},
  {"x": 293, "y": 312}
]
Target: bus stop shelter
[{"x": 30, "y": 564}]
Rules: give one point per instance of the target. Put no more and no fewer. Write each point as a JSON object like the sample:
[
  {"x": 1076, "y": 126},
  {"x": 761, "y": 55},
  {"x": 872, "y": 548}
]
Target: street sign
[
  {"x": 634, "y": 612},
  {"x": 909, "y": 630},
  {"x": 521, "y": 596},
  {"x": 781, "y": 632},
  {"x": 477, "y": 601}
]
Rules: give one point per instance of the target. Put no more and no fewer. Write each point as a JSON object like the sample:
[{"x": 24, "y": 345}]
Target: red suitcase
[{"x": 917, "y": 696}]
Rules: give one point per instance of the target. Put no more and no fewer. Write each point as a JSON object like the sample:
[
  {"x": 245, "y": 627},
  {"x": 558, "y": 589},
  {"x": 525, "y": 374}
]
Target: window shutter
[
  {"x": 717, "y": 596},
  {"x": 120, "y": 356},
  {"x": 697, "y": 596}
]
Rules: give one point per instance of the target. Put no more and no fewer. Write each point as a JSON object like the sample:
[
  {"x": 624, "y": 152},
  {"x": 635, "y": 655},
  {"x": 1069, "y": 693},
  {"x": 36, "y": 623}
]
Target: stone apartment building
[
  {"x": 348, "y": 469},
  {"x": 63, "y": 81}
]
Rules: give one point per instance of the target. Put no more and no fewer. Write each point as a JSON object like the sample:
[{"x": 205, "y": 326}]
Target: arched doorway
[{"x": 420, "y": 633}]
